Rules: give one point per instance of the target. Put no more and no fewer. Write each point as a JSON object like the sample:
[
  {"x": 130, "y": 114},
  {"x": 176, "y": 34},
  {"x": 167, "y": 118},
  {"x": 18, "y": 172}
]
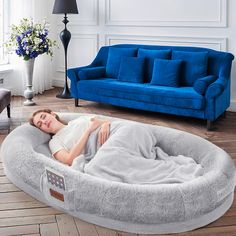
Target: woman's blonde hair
[{"x": 31, "y": 119}]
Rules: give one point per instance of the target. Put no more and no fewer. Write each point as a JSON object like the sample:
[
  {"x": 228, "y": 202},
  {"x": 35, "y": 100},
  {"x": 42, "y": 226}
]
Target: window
[{"x": 3, "y": 28}]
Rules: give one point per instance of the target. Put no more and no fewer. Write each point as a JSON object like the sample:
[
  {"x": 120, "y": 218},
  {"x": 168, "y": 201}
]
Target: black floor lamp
[{"x": 65, "y": 7}]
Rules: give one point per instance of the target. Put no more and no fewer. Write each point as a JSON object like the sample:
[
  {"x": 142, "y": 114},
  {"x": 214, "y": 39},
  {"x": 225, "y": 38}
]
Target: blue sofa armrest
[
  {"x": 73, "y": 73},
  {"x": 92, "y": 73},
  {"x": 217, "y": 88},
  {"x": 201, "y": 85}
]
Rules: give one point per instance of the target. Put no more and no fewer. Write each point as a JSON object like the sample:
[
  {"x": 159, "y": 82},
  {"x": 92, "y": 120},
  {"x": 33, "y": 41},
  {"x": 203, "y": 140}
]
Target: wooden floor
[{"x": 22, "y": 215}]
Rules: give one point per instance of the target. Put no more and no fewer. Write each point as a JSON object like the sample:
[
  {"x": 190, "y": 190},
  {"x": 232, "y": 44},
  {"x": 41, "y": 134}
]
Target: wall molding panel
[
  {"x": 214, "y": 43},
  {"x": 82, "y": 49},
  {"x": 88, "y": 14},
  {"x": 185, "y": 13}
]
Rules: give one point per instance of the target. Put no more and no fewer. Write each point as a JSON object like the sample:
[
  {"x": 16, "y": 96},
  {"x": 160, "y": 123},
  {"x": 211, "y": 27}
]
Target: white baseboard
[
  {"x": 232, "y": 106},
  {"x": 58, "y": 82}
]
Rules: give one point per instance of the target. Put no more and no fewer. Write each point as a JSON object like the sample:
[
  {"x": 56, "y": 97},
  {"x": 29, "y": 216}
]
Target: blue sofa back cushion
[
  {"x": 194, "y": 66},
  {"x": 131, "y": 70},
  {"x": 114, "y": 59},
  {"x": 201, "y": 85},
  {"x": 92, "y": 73},
  {"x": 166, "y": 72},
  {"x": 150, "y": 55}
]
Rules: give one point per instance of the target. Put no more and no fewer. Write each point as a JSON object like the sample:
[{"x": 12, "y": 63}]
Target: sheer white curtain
[{"x": 37, "y": 10}]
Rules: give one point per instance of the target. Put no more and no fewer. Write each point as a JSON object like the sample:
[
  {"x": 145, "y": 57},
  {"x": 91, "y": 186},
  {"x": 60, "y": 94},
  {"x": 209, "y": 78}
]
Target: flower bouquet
[{"x": 29, "y": 40}]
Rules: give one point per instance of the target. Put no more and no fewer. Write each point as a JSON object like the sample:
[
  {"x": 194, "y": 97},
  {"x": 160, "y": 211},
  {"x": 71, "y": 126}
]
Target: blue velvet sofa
[{"x": 186, "y": 81}]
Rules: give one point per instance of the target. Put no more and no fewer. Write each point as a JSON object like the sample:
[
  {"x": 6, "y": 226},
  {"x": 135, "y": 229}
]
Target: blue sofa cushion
[
  {"x": 114, "y": 59},
  {"x": 149, "y": 56},
  {"x": 92, "y": 73},
  {"x": 201, "y": 85},
  {"x": 182, "y": 97},
  {"x": 131, "y": 70},
  {"x": 166, "y": 72},
  {"x": 194, "y": 66}
]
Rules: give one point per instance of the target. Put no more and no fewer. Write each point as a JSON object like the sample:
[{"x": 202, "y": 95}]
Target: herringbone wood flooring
[{"x": 22, "y": 215}]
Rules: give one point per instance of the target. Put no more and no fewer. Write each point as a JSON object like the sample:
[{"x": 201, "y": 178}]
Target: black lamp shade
[{"x": 65, "y": 7}]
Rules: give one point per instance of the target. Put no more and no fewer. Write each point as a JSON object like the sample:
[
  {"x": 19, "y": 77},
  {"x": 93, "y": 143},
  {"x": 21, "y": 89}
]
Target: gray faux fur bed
[{"x": 165, "y": 205}]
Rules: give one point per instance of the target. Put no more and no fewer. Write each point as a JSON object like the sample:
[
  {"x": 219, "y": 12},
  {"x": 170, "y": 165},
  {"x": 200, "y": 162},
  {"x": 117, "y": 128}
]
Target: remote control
[{"x": 55, "y": 178}]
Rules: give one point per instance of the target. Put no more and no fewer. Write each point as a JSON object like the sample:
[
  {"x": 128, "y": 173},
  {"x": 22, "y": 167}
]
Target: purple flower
[
  {"x": 29, "y": 31},
  {"x": 25, "y": 43},
  {"x": 18, "y": 38},
  {"x": 33, "y": 54},
  {"x": 45, "y": 32},
  {"x": 18, "y": 52}
]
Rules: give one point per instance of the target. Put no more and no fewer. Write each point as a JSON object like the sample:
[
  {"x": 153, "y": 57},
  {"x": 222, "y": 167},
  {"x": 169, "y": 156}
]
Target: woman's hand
[
  {"x": 104, "y": 132},
  {"x": 94, "y": 124}
]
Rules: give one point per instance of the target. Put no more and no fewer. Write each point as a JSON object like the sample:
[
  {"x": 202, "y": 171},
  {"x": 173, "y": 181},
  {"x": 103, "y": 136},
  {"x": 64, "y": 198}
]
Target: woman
[
  {"x": 65, "y": 144},
  {"x": 129, "y": 153}
]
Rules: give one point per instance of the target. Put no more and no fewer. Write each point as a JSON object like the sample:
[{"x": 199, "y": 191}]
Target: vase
[{"x": 29, "y": 93}]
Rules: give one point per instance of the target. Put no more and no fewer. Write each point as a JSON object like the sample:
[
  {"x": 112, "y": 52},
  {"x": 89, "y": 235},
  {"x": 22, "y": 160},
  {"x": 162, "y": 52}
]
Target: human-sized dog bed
[{"x": 158, "y": 207}]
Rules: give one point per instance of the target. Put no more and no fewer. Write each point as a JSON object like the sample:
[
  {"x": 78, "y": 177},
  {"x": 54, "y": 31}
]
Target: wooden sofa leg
[
  {"x": 209, "y": 125},
  {"x": 76, "y": 102},
  {"x": 224, "y": 115},
  {"x": 9, "y": 111}
]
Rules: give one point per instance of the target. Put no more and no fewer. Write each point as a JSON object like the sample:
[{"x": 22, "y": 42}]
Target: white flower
[{"x": 37, "y": 41}]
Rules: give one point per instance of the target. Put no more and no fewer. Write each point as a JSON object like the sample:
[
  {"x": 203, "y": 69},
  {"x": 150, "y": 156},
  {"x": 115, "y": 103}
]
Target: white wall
[{"x": 204, "y": 23}]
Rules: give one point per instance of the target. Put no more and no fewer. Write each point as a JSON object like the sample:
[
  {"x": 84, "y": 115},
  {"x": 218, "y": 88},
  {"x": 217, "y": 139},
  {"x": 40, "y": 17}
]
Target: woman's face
[{"x": 47, "y": 122}]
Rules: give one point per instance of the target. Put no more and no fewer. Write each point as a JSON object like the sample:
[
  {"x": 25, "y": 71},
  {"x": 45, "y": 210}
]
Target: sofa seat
[{"x": 183, "y": 97}]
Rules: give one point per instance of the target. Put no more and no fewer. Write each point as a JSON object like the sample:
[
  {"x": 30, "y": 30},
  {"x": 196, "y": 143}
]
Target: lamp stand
[{"x": 65, "y": 37}]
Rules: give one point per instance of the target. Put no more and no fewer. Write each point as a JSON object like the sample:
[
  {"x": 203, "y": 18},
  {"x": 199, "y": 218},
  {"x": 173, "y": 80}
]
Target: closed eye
[
  {"x": 39, "y": 124},
  {"x": 43, "y": 116}
]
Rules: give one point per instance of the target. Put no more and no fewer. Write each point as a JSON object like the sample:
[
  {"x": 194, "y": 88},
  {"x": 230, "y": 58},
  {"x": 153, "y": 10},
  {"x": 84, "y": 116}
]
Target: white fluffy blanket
[{"x": 132, "y": 155}]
